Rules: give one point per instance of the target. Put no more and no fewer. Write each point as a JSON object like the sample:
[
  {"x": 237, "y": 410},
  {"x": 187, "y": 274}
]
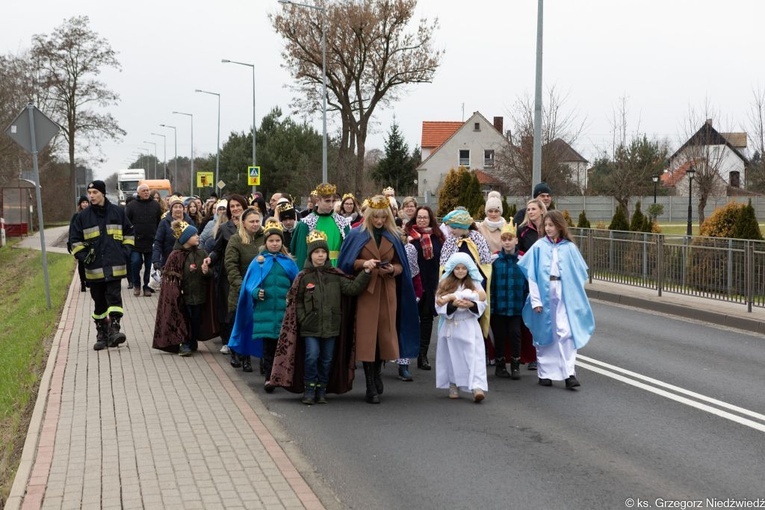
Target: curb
[
  {"x": 32, "y": 441},
  {"x": 686, "y": 311}
]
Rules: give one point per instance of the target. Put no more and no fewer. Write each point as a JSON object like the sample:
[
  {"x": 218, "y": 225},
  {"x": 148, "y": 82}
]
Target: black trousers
[
  {"x": 107, "y": 299},
  {"x": 195, "y": 323},
  {"x": 506, "y": 329}
]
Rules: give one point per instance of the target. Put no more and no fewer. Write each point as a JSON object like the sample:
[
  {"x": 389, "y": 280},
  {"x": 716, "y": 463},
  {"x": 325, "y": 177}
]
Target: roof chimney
[
  {"x": 709, "y": 122},
  {"x": 499, "y": 124}
]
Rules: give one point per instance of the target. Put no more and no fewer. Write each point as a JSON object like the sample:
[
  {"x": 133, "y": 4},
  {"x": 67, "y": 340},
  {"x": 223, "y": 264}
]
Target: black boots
[
  {"x": 246, "y": 363},
  {"x": 310, "y": 393},
  {"x": 321, "y": 393},
  {"x": 102, "y": 334},
  {"x": 370, "y": 369},
  {"x": 500, "y": 369},
  {"x": 404, "y": 374},
  {"x": 234, "y": 359},
  {"x": 515, "y": 368},
  {"x": 378, "y": 377},
  {"x": 115, "y": 337},
  {"x": 422, "y": 360}
]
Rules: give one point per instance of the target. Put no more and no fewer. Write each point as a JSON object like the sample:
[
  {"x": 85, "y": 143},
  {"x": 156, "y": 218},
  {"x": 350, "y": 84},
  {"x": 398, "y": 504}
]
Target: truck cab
[{"x": 127, "y": 182}]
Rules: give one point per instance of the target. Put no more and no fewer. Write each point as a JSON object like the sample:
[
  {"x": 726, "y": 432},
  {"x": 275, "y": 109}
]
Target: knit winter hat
[
  {"x": 183, "y": 231},
  {"x": 174, "y": 200},
  {"x": 540, "y": 188},
  {"x": 315, "y": 240},
  {"x": 82, "y": 199},
  {"x": 494, "y": 201},
  {"x": 98, "y": 185},
  {"x": 273, "y": 227},
  {"x": 458, "y": 218}
]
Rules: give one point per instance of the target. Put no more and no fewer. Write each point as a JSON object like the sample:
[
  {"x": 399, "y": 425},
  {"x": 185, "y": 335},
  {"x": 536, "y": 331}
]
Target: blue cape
[
  {"x": 535, "y": 265},
  {"x": 241, "y": 340},
  {"x": 407, "y": 315}
]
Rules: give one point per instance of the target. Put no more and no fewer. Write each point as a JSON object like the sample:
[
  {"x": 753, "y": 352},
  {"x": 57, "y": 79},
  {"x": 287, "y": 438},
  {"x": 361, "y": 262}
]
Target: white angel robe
[{"x": 460, "y": 354}]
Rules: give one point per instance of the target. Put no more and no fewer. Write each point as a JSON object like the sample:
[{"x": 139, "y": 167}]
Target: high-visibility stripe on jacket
[{"x": 108, "y": 233}]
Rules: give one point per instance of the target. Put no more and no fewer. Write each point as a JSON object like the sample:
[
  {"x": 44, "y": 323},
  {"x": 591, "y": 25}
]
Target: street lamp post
[
  {"x": 155, "y": 156},
  {"x": 323, "y": 79},
  {"x": 164, "y": 154},
  {"x": 191, "y": 171},
  {"x": 691, "y": 172},
  {"x": 217, "y": 153},
  {"x": 254, "y": 129},
  {"x": 175, "y": 143},
  {"x": 655, "y": 179}
]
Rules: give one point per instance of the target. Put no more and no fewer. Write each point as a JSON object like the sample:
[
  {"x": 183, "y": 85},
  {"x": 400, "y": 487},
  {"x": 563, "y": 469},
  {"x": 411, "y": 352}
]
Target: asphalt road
[{"x": 529, "y": 446}]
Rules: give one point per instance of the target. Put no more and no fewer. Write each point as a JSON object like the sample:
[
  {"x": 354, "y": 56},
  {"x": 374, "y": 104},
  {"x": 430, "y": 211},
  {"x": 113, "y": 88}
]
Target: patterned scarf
[{"x": 423, "y": 235}]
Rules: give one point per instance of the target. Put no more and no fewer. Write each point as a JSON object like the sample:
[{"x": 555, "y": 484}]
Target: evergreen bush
[
  {"x": 619, "y": 221},
  {"x": 583, "y": 221}
]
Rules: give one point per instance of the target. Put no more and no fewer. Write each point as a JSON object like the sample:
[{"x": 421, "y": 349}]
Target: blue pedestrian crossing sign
[{"x": 253, "y": 175}]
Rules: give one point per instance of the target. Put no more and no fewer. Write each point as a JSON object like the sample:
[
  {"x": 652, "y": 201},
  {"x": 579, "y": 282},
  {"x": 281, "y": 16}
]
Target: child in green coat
[{"x": 316, "y": 295}]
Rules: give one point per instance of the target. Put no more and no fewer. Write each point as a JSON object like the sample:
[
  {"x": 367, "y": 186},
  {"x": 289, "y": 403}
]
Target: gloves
[{"x": 91, "y": 256}]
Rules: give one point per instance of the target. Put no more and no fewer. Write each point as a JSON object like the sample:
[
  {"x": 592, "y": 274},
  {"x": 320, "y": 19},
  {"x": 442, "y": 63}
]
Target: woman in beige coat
[{"x": 387, "y": 324}]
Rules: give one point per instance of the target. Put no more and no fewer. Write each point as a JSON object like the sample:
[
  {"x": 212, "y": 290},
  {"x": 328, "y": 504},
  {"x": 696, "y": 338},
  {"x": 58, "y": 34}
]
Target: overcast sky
[{"x": 664, "y": 56}]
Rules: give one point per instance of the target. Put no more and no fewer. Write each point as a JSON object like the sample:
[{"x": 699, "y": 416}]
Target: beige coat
[{"x": 376, "y": 306}]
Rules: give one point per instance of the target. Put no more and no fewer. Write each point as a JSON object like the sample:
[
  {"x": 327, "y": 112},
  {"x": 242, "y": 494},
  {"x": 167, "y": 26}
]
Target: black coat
[
  {"x": 102, "y": 237},
  {"x": 145, "y": 215},
  {"x": 164, "y": 241}
]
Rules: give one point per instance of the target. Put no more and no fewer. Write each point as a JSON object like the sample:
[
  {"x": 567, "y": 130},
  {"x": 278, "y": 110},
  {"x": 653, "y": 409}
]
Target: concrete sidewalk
[{"x": 133, "y": 427}]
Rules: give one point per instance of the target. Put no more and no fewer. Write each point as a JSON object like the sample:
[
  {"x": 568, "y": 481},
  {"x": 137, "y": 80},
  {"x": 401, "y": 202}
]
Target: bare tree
[
  {"x": 755, "y": 173},
  {"x": 68, "y": 61},
  {"x": 513, "y": 163},
  {"x": 16, "y": 90},
  {"x": 371, "y": 58}
]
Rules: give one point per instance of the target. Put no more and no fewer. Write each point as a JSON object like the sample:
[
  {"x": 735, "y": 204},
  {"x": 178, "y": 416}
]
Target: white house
[
  {"x": 709, "y": 150},
  {"x": 447, "y": 145}
]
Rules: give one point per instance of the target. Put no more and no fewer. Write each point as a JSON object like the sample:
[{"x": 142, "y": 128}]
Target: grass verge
[{"x": 27, "y": 328}]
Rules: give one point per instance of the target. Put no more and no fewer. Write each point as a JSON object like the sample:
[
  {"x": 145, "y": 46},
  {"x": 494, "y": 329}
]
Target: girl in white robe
[{"x": 460, "y": 302}]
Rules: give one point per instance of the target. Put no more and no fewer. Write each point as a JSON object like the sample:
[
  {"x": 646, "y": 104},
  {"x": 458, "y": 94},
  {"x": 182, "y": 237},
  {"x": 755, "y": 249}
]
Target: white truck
[{"x": 127, "y": 182}]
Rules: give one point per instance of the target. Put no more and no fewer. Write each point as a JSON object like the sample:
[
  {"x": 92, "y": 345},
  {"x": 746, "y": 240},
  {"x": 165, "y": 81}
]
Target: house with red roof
[
  {"x": 713, "y": 154},
  {"x": 446, "y": 145}
]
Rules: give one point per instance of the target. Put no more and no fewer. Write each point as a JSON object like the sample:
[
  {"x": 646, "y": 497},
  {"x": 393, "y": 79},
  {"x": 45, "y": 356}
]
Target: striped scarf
[{"x": 423, "y": 235}]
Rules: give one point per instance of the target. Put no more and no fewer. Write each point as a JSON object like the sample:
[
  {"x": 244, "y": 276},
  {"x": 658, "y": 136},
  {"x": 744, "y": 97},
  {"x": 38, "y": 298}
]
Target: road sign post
[
  {"x": 253, "y": 175},
  {"x": 32, "y": 129}
]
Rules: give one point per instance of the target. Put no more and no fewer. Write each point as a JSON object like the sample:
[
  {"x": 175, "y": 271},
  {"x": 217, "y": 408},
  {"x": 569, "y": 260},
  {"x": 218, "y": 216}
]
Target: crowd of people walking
[{"x": 311, "y": 294}]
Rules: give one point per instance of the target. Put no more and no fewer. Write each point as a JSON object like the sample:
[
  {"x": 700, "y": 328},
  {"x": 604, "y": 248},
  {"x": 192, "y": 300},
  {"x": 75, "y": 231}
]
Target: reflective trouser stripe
[
  {"x": 99, "y": 317},
  {"x": 115, "y": 310}
]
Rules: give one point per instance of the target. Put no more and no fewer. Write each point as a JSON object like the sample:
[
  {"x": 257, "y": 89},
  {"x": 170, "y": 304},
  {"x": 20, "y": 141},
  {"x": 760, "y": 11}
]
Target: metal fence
[{"x": 717, "y": 268}]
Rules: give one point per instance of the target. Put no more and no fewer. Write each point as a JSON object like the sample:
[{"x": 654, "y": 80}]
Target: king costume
[{"x": 557, "y": 273}]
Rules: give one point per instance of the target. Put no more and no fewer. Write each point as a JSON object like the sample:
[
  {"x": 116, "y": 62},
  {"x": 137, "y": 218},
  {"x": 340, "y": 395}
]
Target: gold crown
[
  {"x": 379, "y": 202},
  {"x": 389, "y": 189},
  {"x": 286, "y": 206},
  {"x": 178, "y": 228},
  {"x": 316, "y": 235},
  {"x": 325, "y": 189},
  {"x": 348, "y": 195},
  {"x": 272, "y": 224},
  {"x": 510, "y": 227}
]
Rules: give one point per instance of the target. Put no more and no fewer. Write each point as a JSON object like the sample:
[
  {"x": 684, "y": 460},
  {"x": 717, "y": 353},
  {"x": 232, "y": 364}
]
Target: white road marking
[{"x": 611, "y": 371}]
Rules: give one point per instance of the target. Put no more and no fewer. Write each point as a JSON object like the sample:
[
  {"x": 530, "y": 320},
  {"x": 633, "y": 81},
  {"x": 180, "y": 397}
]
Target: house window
[
  {"x": 488, "y": 158},
  {"x": 464, "y": 158},
  {"x": 477, "y": 126}
]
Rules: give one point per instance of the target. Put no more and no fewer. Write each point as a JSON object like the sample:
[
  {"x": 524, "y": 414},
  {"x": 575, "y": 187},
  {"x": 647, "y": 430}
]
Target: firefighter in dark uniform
[{"x": 102, "y": 239}]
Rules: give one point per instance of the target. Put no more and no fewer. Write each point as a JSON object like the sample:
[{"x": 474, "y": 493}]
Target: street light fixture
[
  {"x": 164, "y": 153},
  {"x": 155, "y": 156},
  {"x": 217, "y": 153},
  {"x": 655, "y": 179},
  {"x": 191, "y": 171},
  {"x": 254, "y": 129},
  {"x": 691, "y": 172},
  {"x": 175, "y": 143},
  {"x": 323, "y": 79}
]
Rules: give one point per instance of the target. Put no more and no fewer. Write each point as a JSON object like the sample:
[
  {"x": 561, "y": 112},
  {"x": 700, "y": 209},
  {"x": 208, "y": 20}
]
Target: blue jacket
[
  {"x": 241, "y": 340},
  {"x": 508, "y": 285}
]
